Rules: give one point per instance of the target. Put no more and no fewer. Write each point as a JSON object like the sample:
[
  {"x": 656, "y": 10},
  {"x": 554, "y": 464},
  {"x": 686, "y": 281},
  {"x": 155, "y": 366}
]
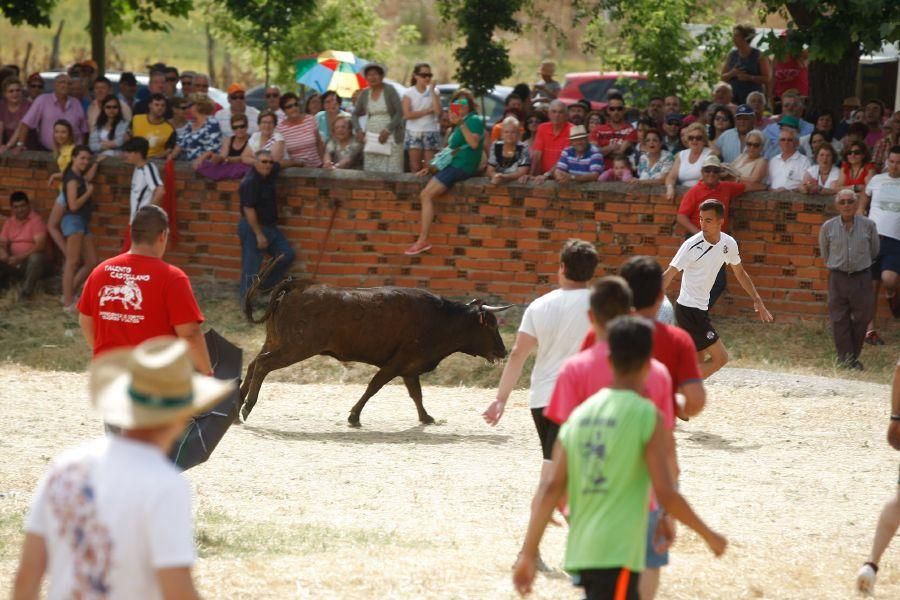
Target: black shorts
[
  {"x": 547, "y": 431},
  {"x": 696, "y": 322},
  {"x": 888, "y": 258},
  {"x": 608, "y": 584}
]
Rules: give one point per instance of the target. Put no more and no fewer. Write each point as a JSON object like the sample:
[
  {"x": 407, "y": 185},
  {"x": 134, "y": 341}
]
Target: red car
[{"x": 594, "y": 86}]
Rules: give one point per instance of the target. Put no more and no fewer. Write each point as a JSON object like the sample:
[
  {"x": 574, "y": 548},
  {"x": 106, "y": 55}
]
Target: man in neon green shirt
[{"x": 606, "y": 456}]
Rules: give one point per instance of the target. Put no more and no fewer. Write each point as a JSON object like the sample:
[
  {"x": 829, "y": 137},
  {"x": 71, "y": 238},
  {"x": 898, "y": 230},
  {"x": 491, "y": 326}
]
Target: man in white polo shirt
[
  {"x": 787, "y": 167},
  {"x": 883, "y": 201},
  {"x": 555, "y": 324},
  {"x": 700, "y": 258}
]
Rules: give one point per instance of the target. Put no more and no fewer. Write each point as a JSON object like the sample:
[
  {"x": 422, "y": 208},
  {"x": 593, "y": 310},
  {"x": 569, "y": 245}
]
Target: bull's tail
[{"x": 254, "y": 288}]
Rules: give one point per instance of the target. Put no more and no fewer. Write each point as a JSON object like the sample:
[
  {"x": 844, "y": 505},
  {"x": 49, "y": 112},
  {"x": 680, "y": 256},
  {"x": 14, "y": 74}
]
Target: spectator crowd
[{"x": 753, "y": 133}]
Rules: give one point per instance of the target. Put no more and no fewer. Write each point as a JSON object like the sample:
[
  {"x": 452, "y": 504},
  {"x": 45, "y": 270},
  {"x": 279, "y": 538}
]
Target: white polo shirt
[
  {"x": 700, "y": 263},
  {"x": 787, "y": 174},
  {"x": 559, "y": 321},
  {"x": 144, "y": 182},
  {"x": 884, "y": 208}
]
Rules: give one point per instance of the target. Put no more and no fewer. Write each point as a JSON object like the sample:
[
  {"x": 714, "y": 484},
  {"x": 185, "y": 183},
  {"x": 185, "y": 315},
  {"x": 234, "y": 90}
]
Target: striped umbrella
[{"x": 331, "y": 70}]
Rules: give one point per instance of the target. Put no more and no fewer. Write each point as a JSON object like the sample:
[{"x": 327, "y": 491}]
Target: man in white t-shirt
[
  {"x": 237, "y": 105},
  {"x": 883, "y": 201},
  {"x": 555, "y": 324},
  {"x": 112, "y": 517},
  {"x": 146, "y": 184},
  {"x": 786, "y": 169},
  {"x": 700, "y": 258}
]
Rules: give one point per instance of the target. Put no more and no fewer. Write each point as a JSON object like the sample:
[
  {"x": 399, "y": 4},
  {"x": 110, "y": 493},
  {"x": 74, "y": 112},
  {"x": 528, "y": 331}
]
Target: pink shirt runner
[
  {"x": 21, "y": 234},
  {"x": 588, "y": 372}
]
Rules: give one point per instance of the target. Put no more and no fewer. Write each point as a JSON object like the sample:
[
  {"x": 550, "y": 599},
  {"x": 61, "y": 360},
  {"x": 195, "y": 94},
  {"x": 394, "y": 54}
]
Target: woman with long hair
[
  {"x": 81, "y": 256},
  {"x": 688, "y": 163},
  {"x": 302, "y": 143},
  {"x": 109, "y": 133},
  {"x": 421, "y": 109},
  {"x": 63, "y": 144},
  {"x": 857, "y": 167}
]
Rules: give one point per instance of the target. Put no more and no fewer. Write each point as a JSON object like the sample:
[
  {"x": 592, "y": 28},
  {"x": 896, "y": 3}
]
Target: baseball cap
[
  {"x": 586, "y": 105},
  {"x": 674, "y": 117},
  {"x": 712, "y": 161},
  {"x": 235, "y": 87},
  {"x": 789, "y": 121},
  {"x": 128, "y": 78},
  {"x": 744, "y": 111}
]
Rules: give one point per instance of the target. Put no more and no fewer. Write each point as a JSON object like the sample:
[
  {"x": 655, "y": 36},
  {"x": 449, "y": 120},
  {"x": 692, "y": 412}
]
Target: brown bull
[{"x": 403, "y": 331}]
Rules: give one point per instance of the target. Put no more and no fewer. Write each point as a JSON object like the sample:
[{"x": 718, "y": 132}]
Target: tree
[
  {"x": 28, "y": 12},
  {"x": 836, "y": 33},
  {"x": 483, "y": 61}
]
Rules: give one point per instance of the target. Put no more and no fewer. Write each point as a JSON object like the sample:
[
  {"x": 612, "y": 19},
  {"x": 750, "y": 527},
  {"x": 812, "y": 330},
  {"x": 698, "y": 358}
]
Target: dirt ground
[{"x": 297, "y": 505}]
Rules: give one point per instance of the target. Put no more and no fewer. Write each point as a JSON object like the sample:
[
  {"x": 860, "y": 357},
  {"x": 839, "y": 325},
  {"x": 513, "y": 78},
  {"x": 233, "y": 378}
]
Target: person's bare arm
[
  {"x": 658, "y": 455},
  {"x": 753, "y": 186},
  {"x": 894, "y": 428},
  {"x": 684, "y": 222},
  {"x": 18, "y": 135},
  {"x": 585, "y": 177},
  {"x": 523, "y": 346},
  {"x": 536, "y": 162},
  {"x": 672, "y": 178},
  {"x": 547, "y": 499},
  {"x": 176, "y": 584},
  {"x": 746, "y": 283},
  {"x": 694, "y": 398},
  {"x": 32, "y": 565},
  {"x": 668, "y": 276},
  {"x": 197, "y": 350},
  {"x": 863, "y": 203},
  {"x": 73, "y": 200},
  {"x": 87, "y": 328}
]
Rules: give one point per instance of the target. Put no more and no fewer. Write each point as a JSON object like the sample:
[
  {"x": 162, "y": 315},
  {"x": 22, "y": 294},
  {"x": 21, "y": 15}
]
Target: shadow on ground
[{"x": 420, "y": 434}]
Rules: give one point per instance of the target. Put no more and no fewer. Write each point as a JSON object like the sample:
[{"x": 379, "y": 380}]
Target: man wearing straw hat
[{"x": 112, "y": 517}]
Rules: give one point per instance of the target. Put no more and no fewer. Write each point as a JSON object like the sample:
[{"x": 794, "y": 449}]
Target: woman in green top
[{"x": 467, "y": 144}]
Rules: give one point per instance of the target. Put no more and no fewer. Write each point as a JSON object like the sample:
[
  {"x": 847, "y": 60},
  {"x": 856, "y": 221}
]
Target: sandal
[{"x": 417, "y": 248}]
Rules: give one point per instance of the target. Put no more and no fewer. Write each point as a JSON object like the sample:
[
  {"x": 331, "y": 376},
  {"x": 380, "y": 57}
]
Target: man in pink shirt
[
  {"x": 588, "y": 372},
  {"x": 22, "y": 242},
  {"x": 549, "y": 141}
]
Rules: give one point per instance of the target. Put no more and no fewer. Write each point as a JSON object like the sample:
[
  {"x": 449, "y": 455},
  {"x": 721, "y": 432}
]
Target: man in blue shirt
[
  {"x": 792, "y": 115},
  {"x": 582, "y": 161},
  {"x": 731, "y": 142}
]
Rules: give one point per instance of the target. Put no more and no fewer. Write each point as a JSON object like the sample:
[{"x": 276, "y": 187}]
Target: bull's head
[{"x": 492, "y": 348}]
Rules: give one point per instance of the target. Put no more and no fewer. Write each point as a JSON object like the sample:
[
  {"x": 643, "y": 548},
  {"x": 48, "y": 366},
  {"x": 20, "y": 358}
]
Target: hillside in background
[{"x": 186, "y": 44}]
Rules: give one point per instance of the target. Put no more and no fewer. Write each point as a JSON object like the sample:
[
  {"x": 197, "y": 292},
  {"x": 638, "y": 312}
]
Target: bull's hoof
[
  {"x": 427, "y": 420},
  {"x": 353, "y": 421},
  {"x": 245, "y": 412}
]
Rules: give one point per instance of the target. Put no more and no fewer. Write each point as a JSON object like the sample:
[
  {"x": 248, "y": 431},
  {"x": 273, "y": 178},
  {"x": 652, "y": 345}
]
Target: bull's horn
[
  {"x": 474, "y": 302},
  {"x": 494, "y": 309}
]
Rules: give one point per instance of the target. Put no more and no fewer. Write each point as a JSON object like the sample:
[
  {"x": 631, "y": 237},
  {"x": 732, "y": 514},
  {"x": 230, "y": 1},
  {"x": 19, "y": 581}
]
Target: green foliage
[
  {"x": 651, "y": 37},
  {"x": 831, "y": 29},
  {"x": 123, "y": 15},
  {"x": 483, "y": 61},
  {"x": 28, "y": 12}
]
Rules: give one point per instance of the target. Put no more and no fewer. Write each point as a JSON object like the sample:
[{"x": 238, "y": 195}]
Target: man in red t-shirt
[
  {"x": 549, "y": 141},
  {"x": 616, "y": 136},
  {"x": 136, "y": 296},
  {"x": 711, "y": 187}
]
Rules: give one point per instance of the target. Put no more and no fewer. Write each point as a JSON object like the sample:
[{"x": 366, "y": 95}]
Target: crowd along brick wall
[{"x": 492, "y": 242}]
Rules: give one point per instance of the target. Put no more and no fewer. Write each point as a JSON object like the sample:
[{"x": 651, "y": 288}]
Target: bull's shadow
[{"x": 420, "y": 434}]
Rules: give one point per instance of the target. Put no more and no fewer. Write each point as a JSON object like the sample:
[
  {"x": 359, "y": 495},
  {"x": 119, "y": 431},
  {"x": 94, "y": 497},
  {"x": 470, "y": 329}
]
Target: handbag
[
  {"x": 443, "y": 158},
  {"x": 373, "y": 146}
]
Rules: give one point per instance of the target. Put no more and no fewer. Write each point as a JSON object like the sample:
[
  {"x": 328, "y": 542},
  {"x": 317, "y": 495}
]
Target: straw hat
[
  {"x": 151, "y": 385},
  {"x": 577, "y": 132}
]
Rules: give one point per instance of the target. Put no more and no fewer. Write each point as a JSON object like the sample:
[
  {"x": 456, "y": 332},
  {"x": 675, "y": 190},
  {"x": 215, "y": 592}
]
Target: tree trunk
[
  {"x": 28, "y": 49},
  {"x": 210, "y": 56},
  {"x": 54, "y": 52},
  {"x": 830, "y": 83},
  {"x": 98, "y": 35}
]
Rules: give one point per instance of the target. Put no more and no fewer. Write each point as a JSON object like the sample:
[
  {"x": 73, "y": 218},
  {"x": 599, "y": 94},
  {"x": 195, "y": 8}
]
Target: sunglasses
[
  {"x": 695, "y": 138},
  {"x": 273, "y": 95},
  {"x": 111, "y": 107},
  {"x": 290, "y": 106},
  {"x": 425, "y": 75},
  {"x": 615, "y": 108},
  {"x": 721, "y": 118},
  {"x": 236, "y": 127},
  {"x": 856, "y": 151},
  {"x": 753, "y": 144},
  {"x": 786, "y": 139},
  {"x": 711, "y": 170},
  {"x": 172, "y": 79},
  {"x": 846, "y": 201},
  {"x": 236, "y": 97},
  {"x": 266, "y": 162},
  {"x": 36, "y": 86}
]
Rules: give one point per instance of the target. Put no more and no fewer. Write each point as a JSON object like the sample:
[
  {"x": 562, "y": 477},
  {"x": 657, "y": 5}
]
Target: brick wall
[{"x": 491, "y": 242}]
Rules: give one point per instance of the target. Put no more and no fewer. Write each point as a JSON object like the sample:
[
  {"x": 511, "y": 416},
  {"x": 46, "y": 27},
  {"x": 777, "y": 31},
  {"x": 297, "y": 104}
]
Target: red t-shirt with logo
[
  {"x": 725, "y": 192},
  {"x": 674, "y": 348},
  {"x": 606, "y": 133},
  {"x": 132, "y": 298}
]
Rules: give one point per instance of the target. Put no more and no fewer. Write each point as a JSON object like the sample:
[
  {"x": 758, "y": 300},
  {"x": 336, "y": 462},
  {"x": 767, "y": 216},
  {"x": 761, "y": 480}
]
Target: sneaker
[
  {"x": 865, "y": 580},
  {"x": 855, "y": 365},
  {"x": 417, "y": 248},
  {"x": 873, "y": 338}
]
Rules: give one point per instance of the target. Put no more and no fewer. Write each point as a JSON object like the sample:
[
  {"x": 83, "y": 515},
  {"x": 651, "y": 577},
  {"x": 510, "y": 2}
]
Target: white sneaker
[{"x": 865, "y": 580}]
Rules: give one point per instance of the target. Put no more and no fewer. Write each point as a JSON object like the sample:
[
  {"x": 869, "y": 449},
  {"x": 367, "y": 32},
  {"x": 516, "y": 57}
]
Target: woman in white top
[
  {"x": 822, "y": 177},
  {"x": 751, "y": 165},
  {"x": 264, "y": 139},
  {"x": 421, "y": 109},
  {"x": 686, "y": 168}
]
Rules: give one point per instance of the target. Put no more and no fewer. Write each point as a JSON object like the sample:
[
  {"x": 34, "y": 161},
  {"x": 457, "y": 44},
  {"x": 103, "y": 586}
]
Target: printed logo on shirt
[
  {"x": 128, "y": 295},
  {"x": 710, "y": 335},
  {"x": 725, "y": 248}
]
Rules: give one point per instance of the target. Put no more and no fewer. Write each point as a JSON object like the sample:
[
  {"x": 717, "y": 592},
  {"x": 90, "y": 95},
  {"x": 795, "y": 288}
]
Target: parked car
[
  {"x": 256, "y": 96},
  {"x": 594, "y": 86},
  {"x": 143, "y": 79},
  {"x": 493, "y": 102}
]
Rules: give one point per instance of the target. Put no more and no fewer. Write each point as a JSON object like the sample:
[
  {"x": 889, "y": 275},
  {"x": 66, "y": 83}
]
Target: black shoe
[{"x": 855, "y": 365}]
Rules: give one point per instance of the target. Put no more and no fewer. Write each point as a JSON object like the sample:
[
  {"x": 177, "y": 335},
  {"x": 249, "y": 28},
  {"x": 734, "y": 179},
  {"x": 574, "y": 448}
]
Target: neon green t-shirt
[{"x": 609, "y": 485}]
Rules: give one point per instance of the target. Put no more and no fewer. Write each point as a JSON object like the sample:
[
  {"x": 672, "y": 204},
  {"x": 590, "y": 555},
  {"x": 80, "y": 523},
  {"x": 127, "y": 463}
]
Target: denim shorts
[
  {"x": 654, "y": 559},
  {"x": 73, "y": 223},
  {"x": 450, "y": 175},
  {"x": 422, "y": 140},
  {"x": 61, "y": 199}
]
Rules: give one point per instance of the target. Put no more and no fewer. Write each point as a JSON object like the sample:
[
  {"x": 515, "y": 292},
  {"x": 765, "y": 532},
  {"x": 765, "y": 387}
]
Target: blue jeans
[{"x": 252, "y": 257}]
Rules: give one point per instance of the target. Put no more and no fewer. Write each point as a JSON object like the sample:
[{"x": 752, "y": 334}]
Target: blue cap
[{"x": 744, "y": 111}]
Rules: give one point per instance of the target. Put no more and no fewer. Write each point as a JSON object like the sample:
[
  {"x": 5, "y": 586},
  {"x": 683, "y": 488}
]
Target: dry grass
[{"x": 296, "y": 505}]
